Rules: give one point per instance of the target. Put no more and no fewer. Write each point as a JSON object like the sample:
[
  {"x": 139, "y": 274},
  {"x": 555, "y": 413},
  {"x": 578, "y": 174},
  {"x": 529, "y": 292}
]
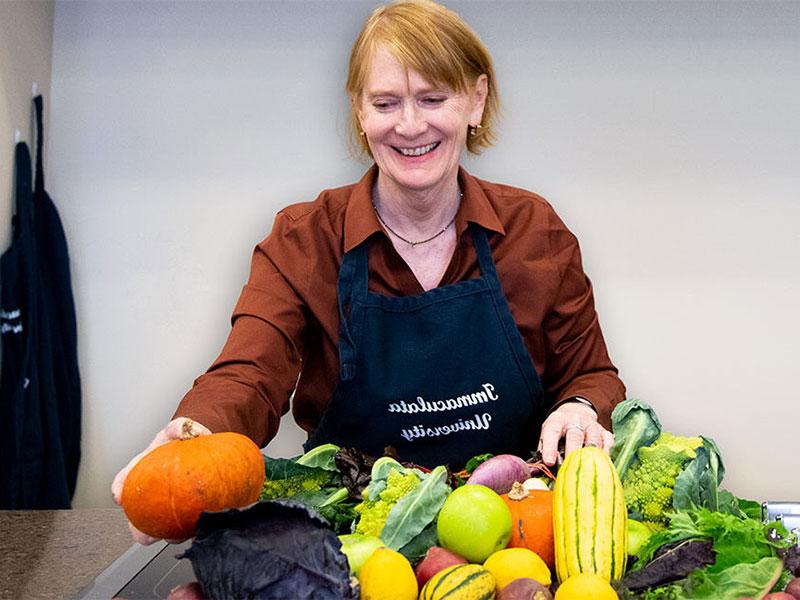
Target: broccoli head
[{"x": 648, "y": 484}]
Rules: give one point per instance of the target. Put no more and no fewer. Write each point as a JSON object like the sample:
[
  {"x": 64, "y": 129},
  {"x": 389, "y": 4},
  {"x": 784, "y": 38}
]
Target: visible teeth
[{"x": 417, "y": 151}]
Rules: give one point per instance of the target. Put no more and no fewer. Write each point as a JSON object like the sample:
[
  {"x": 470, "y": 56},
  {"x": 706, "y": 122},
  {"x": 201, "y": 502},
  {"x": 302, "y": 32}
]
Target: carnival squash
[
  {"x": 532, "y": 521},
  {"x": 589, "y": 516},
  {"x": 170, "y": 486},
  {"x": 460, "y": 582}
]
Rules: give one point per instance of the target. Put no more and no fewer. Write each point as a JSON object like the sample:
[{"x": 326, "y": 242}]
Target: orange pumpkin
[
  {"x": 166, "y": 491},
  {"x": 532, "y": 521}
]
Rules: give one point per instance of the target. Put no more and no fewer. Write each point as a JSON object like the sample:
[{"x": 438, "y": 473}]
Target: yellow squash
[{"x": 589, "y": 517}]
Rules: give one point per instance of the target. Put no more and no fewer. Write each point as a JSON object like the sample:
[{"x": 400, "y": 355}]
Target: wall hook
[
  {"x": 35, "y": 89},
  {"x": 17, "y": 136}
]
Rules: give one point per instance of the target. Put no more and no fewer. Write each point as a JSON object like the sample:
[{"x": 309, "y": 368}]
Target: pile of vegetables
[
  {"x": 703, "y": 542},
  {"x": 650, "y": 521}
]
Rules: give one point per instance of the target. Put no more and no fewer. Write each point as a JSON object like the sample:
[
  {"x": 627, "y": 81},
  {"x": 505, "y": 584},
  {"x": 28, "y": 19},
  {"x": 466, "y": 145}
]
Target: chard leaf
[
  {"x": 634, "y": 424},
  {"x": 672, "y": 562},
  {"x": 416, "y": 510}
]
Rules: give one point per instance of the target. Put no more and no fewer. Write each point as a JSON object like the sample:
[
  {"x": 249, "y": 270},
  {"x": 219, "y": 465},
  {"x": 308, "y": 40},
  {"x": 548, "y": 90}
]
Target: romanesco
[
  {"x": 648, "y": 485},
  {"x": 274, "y": 489},
  {"x": 373, "y": 513}
]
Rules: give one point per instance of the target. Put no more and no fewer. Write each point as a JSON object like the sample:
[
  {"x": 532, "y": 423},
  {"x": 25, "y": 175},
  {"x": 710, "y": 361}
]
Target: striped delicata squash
[
  {"x": 590, "y": 521},
  {"x": 460, "y": 582}
]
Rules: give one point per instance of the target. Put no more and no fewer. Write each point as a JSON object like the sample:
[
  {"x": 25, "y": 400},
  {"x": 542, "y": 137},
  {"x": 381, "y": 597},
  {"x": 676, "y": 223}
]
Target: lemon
[
  {"x": 512, "y": 563},
  {"x": 586, "y": 586},
  {"x": 387, "y": 575}
]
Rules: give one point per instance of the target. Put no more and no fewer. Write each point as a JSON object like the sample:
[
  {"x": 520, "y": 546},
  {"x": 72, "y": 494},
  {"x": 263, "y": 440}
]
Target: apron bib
[{"x": 440, "y": 376}]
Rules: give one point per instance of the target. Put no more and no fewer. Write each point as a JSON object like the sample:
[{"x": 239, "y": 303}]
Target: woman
[{"x": 431, "y": 311}]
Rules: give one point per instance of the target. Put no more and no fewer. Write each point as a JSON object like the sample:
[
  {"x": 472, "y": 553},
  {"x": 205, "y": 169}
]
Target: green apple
[
  {"x": 358, "y": 548},
  {"x": 638, "y": 534},
  {"x": 474, "y": 522}
]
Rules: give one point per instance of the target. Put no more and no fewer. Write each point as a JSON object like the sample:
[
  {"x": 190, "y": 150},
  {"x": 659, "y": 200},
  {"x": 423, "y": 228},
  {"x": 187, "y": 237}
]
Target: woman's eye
[
  {"x": 433, "y": 100},
  {"x": 383, "y": 104}
]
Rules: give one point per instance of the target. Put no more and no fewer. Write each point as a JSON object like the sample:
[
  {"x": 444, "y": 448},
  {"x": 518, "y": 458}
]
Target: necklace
[{"x": 418, "y": 242}]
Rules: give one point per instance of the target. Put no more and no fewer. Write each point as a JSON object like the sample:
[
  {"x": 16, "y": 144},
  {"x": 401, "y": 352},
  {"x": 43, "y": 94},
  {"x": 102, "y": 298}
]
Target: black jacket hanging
[{"x": 40, "y": 414}]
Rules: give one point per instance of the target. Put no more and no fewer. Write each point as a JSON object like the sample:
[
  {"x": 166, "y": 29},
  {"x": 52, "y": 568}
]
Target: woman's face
[{"x": 416, "y": 130}]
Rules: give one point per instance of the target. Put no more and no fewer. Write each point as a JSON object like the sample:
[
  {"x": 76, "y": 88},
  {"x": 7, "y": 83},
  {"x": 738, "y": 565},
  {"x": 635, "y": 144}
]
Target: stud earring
[{"x": 473, "y": 130}]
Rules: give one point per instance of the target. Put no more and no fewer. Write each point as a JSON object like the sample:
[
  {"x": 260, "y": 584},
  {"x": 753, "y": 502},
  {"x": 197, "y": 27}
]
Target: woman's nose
[{"x": 412, "y": 122}]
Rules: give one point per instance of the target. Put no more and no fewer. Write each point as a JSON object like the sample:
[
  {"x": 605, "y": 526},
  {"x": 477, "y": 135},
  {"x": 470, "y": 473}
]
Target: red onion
[{"x": 500, "y": 472}]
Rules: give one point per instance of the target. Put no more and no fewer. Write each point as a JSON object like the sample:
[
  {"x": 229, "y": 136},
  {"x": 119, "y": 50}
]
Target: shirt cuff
[{"x": 578, "y": 399}]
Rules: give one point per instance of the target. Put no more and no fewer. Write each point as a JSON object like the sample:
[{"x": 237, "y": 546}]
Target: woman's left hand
[{"x": 577, "y": 423}]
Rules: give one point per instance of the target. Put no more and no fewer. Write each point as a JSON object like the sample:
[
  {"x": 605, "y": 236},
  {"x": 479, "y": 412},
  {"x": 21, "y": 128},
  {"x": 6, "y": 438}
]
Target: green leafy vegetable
[
  {"x": 400, "y": 504},
  {"x": 698, "y": 484},
  {"x": 321, "y": 457},
  {"x": 416, "y": 510},
  {"x": 312, "y": 483},
  {"x": 635, "y": 424},
  {"x": 737, "y": 581},
  {"x": 735, "y": 540}
]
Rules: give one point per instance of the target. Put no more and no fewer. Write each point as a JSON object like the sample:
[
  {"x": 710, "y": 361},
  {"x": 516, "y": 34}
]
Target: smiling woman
[{"x": 445, "y": 284}]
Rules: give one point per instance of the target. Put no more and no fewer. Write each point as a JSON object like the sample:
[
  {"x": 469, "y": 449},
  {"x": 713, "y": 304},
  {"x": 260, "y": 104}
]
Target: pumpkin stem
[
  {"x": 187, "y": 430},
  {"x": 518, "y": 491}
]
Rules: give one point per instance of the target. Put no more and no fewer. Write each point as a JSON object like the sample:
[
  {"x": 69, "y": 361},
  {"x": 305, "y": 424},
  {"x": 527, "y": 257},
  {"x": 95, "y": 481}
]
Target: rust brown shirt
[{"x": 286, "y": 321}]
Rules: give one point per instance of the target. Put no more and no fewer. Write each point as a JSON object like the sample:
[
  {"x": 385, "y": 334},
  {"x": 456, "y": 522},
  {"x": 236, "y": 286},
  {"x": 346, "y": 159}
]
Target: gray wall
[{"x": 666, "y": 135}]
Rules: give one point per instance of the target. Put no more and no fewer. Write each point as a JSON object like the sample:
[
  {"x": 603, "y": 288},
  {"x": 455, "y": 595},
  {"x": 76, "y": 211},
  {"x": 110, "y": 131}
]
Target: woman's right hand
[{"x": 172, "y": 431}]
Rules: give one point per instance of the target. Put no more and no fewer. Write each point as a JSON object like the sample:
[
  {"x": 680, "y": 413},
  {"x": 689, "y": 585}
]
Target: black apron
[
  {"x": 40, "y": 413},
  {"x": 440, "y": 376}
]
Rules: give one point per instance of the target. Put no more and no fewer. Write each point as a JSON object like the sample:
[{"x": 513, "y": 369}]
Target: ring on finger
[{"x": 576, "y": 426}]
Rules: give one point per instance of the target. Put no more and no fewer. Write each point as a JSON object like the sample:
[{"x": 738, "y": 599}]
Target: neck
[{"x": 416, "y": 214}]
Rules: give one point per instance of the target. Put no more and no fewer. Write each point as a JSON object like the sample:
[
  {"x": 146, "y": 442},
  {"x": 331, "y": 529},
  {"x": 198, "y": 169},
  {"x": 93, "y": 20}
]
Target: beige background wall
[
  {"x": 666, "y": 135},
  {"x": 26, "y": 45}
]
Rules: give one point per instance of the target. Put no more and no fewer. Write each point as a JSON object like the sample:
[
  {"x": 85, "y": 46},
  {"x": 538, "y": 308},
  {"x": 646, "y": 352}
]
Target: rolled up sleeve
[{"x": 578, "y": 362}]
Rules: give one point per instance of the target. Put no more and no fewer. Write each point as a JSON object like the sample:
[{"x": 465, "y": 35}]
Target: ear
[{"x": 479, "y": 92}]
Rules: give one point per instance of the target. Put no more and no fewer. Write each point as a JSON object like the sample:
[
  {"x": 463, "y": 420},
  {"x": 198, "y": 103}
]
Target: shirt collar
[{"x": 360, "y": 220}]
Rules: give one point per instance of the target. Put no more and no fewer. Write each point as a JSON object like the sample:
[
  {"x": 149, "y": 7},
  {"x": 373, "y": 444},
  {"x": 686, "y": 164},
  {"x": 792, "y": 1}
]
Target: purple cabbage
[{"x": 270, "y": 550}]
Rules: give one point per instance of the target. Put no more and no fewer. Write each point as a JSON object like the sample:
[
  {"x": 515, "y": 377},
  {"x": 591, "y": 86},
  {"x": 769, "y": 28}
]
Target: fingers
[
  {"x": 187, "y": 591},
  {"x": 173, "y": 431},
  {"x": 552, "y": 430},
  {"x": 141, "y": 538},
  {"x": 578, "y": 426},
  {"x": 608, "y": 440},
  {"x": 575, "y": 436}
]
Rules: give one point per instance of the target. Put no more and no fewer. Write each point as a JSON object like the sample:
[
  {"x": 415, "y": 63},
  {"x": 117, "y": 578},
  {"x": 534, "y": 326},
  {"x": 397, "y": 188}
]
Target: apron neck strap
[
  {"x": 483, "y": 250},
  {"x": 348, "y": 286}
]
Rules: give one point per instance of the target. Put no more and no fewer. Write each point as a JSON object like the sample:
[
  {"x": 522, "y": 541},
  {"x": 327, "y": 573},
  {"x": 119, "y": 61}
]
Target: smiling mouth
[{"x": 418, "y": 151}]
